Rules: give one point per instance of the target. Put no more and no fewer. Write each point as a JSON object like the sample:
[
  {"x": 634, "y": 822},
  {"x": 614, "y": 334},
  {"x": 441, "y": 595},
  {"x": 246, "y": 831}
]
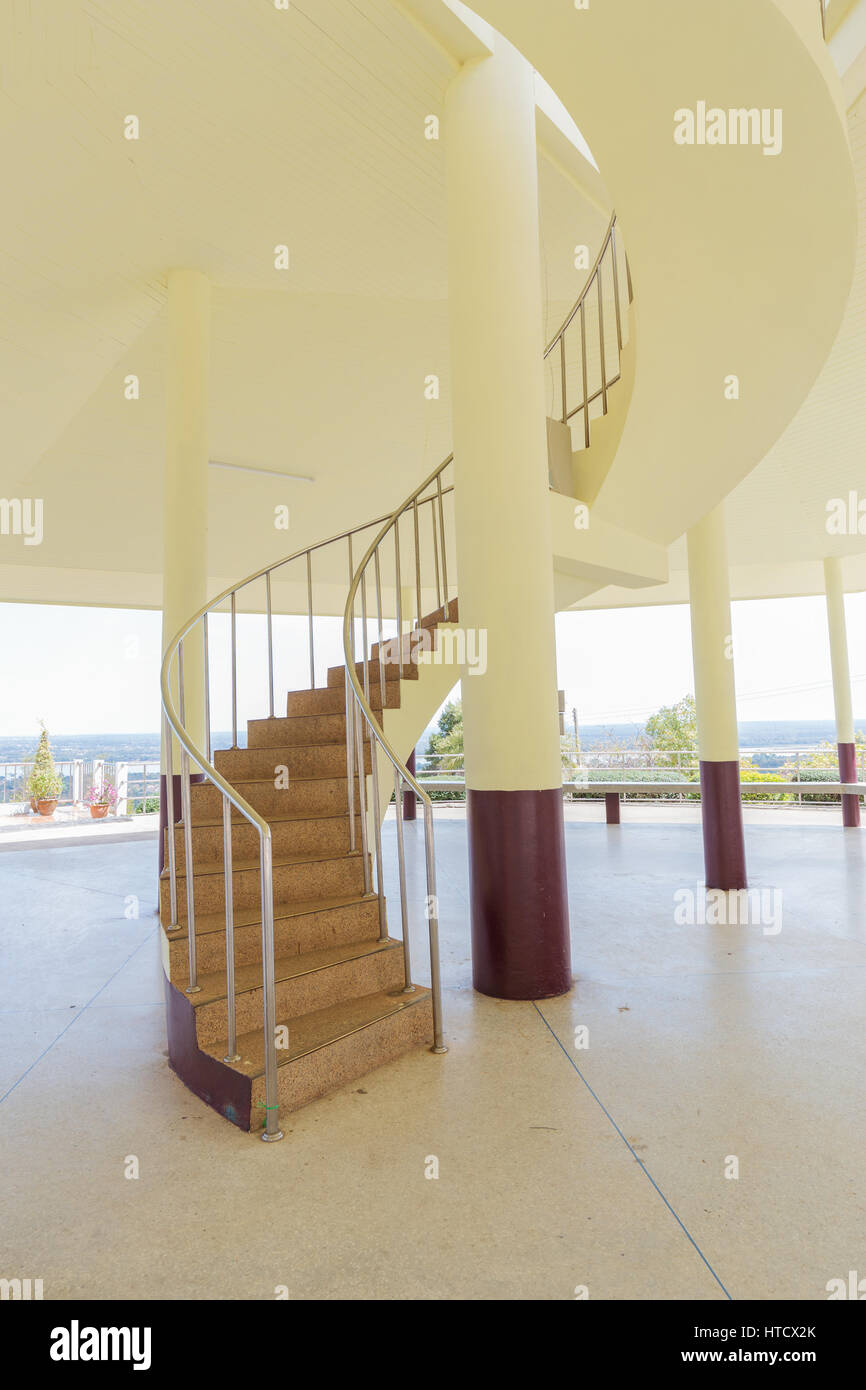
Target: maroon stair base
[
  {"x": 221, "y": 1087},
  {"x": 722, "y": 815},
  {"x": 520, "y": 938},
  {"x": 848, "y": 773}
]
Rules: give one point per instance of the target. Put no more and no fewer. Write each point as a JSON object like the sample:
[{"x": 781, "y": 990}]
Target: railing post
[
  {"x": 206, "y": 673},
  {"x": 310, "y": 618},
  {"x": 408, "y": 987},
  {"x": 417, "y": 563},
  {"x": 186, "y": 811},
  {"x": 616, "y": 287},
  {"x": 231, "y": 1011},
  {"x": 357, "y": 717},
  {"x": 380, "y": 630},
  {"x": 377, "y": 834},
  {"x": 350, "y": 763},
  {"x": 563, "y": 379},
  {"x": 270, "y": 645},
  {"x": 601, "y": 341},
  {"x": 583, "y": 370},
  {"x": 433, "y": 920},
  {"x": 271, "y": 1130},
  {"x": 442, "y": 532},
  {"x": 234, "y": 671},
  {"x": 169, "y": 798}
]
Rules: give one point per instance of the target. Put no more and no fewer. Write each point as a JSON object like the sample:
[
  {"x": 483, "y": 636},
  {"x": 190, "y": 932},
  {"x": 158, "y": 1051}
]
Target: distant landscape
[{"x": 130, "y": 748}]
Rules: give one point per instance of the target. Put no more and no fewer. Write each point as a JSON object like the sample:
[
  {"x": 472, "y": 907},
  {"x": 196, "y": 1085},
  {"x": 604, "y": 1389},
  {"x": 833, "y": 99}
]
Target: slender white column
[
  {"x": 839, "y": 649},
  {"x": 715, "y": 698},
  {"x": 835, "y": 591}
]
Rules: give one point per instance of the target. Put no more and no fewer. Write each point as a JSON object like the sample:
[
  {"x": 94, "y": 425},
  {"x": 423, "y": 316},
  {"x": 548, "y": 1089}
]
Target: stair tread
[
  {"x": 280, "y": 861},
  {"x": 309, "y": 1032},
  {"x": 248, "y": 978},
  {"x": 272, "y": 818},
  {"x": 251, "y": 916}
]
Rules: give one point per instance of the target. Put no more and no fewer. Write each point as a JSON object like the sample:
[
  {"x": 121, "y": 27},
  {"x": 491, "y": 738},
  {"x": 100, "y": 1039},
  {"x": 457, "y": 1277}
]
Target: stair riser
[
  {"x": 326, "y": 878},
  {"x": 337, "y": 674},
  {"x": 305, "y": 729},
  {"x": 315, "y": 990},
  {"x": 314, "y": 931},
  {"x": 333, "y": 701},
  {"x": 329, "y": 834},
  {"x": 328, "y": 761},
  {"x": 325, "y": 795},
  {"x": 345, "y": 1060}
]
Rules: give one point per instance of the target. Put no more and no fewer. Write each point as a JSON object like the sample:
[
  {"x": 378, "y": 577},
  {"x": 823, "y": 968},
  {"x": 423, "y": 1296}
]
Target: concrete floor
[{"x": 559, "y": 1168}]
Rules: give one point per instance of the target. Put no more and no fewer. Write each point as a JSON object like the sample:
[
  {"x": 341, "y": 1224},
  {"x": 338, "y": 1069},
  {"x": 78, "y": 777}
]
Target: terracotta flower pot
[
  {"x": 47, "y": 808},
  {"x": 99, "y": 810}
]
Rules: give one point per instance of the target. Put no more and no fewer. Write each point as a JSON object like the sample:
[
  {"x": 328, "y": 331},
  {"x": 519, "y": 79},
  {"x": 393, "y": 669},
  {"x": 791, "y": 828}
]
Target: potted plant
[
  {"x": 102, "y": 797},
  {"x": 45, "y": 783}
]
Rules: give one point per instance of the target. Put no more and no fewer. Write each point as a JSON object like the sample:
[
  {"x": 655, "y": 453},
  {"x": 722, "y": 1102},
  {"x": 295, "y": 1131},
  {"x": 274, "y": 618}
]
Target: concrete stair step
[
  {"x": 308, "y": 761},
  {"x": 321, "y": 796},
  {"x": 332, "y": 1046},
  {"x": 299, "y": 927},
  {"x": 297, "y": 878},
  {"x": 299, "y": 729},
  {"x": 337, "y": 674},
  {"x": 303, "y": 984},
  {"x": 332, "y": 699},
  {"x": 292, "y": 833}
]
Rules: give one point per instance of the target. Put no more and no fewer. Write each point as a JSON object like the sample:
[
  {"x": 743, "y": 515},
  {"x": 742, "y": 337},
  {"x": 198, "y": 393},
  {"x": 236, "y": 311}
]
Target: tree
[
  {"x": 45, "y": 782},
  {"x": 449, "y": 737},
  {"x": 674, "y": 729}
]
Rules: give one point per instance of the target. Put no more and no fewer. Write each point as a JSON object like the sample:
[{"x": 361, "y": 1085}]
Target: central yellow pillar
[
  {"x": 184, "y": 562},
  {"x": 504, "y": 549}
]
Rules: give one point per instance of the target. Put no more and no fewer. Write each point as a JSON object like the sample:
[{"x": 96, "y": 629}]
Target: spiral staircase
[{"x": 283, "y": 977}]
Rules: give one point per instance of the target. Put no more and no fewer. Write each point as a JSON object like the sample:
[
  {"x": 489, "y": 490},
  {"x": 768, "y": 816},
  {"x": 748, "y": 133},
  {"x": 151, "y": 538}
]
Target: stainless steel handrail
[{"x": 578, "y": 310}]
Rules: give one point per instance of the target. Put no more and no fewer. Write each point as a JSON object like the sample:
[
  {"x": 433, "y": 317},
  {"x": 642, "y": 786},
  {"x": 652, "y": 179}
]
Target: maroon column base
[
  {"x": 722, "y": 815},
  {"x": 163, "y": 807},
  {"x": 848, "y": 773},
  {"x": 611, "y": 807},
  {"x": 410, "y": 804},
  {"x": 520, "y": 938}
]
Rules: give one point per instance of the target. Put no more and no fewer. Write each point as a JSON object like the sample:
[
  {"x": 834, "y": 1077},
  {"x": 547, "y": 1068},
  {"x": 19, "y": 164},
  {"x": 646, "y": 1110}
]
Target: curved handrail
[{"x": 359, "y": 716}]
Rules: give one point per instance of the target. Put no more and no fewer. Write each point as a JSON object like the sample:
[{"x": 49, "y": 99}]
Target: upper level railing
[
  {"x": 595, "y": 321},
  {"x": 412, "y": 544}
]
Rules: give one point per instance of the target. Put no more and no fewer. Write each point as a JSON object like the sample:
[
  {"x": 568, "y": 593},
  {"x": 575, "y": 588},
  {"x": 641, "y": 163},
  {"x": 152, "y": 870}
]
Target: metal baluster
[
  {"x": 377, "y": 830},
  {"x": 398, "y": 578},
  {"x": 271, "y": 1131},
  {"x": 417, "y": 564},
  {"x": 616, "y": 289},
  {"x": 442, "y": 530},
  {"x": 433, "y": 919},
  {"x": 435, "y": 554},
  {"x": 378, "y": 576},
  {"x": 562, "y": 378},
  {"x": 350, "y": 764},
  {"x": 310, "y": 617},
  {"x": 408, "y": 987},
  {"x": 193, "y": 987},
  {"x": 270, "y": 644},
  {"x": 206, "y": 661},
  {"x": 601, "y": 341},
  {"x": 364, "y": 630},
  {"x": 169, "y": 801},
  {"x": 232, "y": 1054},
  {"x": 234, "y": 671},
  {"x": 357, "y": 716},
  {"x": 584, "y": 373}
]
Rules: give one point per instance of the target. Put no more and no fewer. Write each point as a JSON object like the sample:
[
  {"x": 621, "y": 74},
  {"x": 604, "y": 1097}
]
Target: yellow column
[
  {"x": 185, "y": 479},
  {"x": 715, "y": 698},
  {"x": 838, "y": 633},
  {"x": 504, "y": 548}
]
